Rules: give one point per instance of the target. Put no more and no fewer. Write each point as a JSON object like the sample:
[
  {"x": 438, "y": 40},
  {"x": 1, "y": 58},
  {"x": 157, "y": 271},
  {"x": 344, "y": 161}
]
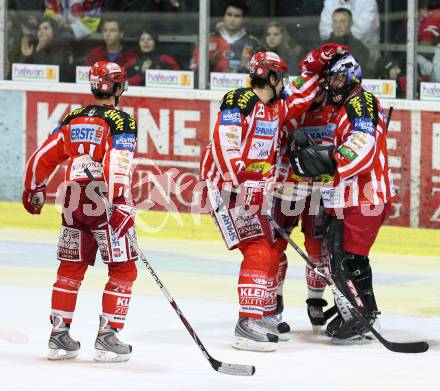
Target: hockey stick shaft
[
  {"x": 402, "y": 347},
  {"x": 229, "y": 369}
]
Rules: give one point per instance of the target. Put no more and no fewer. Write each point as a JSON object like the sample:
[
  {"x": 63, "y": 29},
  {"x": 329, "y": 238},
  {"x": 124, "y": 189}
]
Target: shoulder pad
[
  {"x": 73, "y": 114},
  {"x": 120, "y": 121},
  {"x": 242, "y": 98},
  {"x": 362, "y": 105}
]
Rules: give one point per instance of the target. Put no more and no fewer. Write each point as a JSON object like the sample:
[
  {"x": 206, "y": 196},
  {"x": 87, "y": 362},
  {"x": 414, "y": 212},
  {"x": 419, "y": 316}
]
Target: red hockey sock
[
  {"x": 117, "y": 292},
  {"x": 65, "y": 290}
]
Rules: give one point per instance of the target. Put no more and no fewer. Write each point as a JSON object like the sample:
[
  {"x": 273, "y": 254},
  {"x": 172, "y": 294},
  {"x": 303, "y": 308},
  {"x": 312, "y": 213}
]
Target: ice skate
[
  {"x": 350, "y": 332},
  {"x": 61, "y": 344},
  {"x": 315, "y": 311},
  {"x": 250, "y": 334},
  {"x": 276, "y": 326},
  {"x": 108, "y": 347}
]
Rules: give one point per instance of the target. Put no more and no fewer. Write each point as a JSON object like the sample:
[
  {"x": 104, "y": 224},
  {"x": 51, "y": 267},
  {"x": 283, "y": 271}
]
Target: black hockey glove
[{"x": 313, "y": 160}]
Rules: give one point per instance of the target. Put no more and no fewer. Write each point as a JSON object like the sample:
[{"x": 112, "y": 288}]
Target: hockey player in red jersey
[
  {"x": 101, "y": 138},
  {"x": 358, "y": 200},
  {"x": 238, "y": 165},
  {"x": 300, "y": 197}
]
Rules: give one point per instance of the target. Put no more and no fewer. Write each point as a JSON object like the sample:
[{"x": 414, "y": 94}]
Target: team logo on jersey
[
  {"x": 364, "y": 125},
  {"x": 348, "y": 153},
  {"x": 124, "y": 141},
  {"x": 82, "y": 133},
  {"x": 266, "y": 128},
  {"x": 230, "y": 117},
  {"x": 330, "y": 130}
]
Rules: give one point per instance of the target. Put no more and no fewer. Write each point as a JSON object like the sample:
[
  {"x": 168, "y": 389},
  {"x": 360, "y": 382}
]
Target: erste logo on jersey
[
  {"x": 82, "y": 133},
  {"x": 230, "y": 117},
  {"x": 125, "y": 141},
  {"x": 363, "y": 124},
  {"x": 266, "y": 128}
]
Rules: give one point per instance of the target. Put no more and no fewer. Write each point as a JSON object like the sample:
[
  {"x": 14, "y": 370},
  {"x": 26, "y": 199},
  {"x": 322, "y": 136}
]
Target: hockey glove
[
  {"x": 316, "y": 60},
  {"x": 313, "y": 160},
  {"x": 122, "y": 218},
  {"x": 33, "y": 200}
]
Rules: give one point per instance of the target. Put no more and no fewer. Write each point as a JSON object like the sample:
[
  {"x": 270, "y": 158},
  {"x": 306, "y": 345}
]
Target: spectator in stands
[
  {"x": 43, "y": 47},
  {"x": 277, "y": 39},
  {"x": 387, "y": 67},
  {"x": 341, "y": 33},
  {"x": 112, "y": 49},
  {"x": 230, "y": 46},
  {"x": 429, "y": 23},
  {"x": 366, "y": 25},
  {"x": 78, "y": 17},
  {"x": 148, "y": 57}
]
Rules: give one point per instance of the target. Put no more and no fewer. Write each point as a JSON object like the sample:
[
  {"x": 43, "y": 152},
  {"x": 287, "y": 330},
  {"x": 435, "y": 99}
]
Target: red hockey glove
[
  {"x": 317, "y": 59},
  {"x": 33, "y": 200},
  {"x": 122, "y": 218},
  {"x": 251, "y": 189}
]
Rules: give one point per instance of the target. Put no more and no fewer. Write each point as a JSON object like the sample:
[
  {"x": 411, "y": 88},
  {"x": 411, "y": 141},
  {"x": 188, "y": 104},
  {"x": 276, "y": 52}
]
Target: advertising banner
[
  {"x": 380, "y": 88},
  {"x": 430, "y": 171},
  {"x": 82, "y": 74},
  {"x": 35, "y": 72},
  {"x": 429, "y": 91},
  {"x": 172, "y": 135},
  {"x": 157, "y": 78}
]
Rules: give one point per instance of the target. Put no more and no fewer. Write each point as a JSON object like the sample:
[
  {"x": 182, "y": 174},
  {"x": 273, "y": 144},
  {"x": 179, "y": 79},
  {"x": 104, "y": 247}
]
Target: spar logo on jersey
[
  {"x": 124, "y": 141},
  {"x": 364, "y": 125},
  {"x": 86, "y": 133},
  {"x": 266, "y": 128},
  {"x": 230, "y": 117}
]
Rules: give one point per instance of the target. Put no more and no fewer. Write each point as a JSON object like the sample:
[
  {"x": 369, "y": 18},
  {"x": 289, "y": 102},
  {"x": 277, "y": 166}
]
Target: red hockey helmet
[
  {"x": 262, "y": 63},
  {"x": 105, "y": 76}
]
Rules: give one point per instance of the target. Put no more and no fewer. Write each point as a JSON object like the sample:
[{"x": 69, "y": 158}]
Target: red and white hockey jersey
[
  {"x": 100, "y": 138},
  {"x": 363, "y": 174},
  {"x": 246, "y": 133}
]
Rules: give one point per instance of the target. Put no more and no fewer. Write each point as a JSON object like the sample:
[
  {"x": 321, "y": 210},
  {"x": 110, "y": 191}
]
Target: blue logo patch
[
  {"x": 86, "y": 133},
  {"x": 315, "y": 132},
  {"x": 330, "y": 130},
  {"x": 364, "y": 125},
  {"x": 230, "y": 117},
  {"x": 266, "y": 128},
  {"x": 124, "y": 141}
]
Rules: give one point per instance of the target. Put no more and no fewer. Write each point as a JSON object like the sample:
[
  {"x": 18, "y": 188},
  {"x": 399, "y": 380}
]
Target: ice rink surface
[{"x": 201, "y": 277}]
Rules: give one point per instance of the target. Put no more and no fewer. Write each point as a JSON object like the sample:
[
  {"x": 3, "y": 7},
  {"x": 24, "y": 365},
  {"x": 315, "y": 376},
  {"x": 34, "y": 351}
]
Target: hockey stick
[
  {"x": 219, "y": 366},
  {"x": 401, "y": 347}
]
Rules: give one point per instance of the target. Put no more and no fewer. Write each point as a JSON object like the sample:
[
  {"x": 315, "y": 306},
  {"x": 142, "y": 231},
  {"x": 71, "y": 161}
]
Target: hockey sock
[
  {"x": 315, "y": 283},
  {"x": 65, "y": 290},
  {"x": 117, "y": 293}
]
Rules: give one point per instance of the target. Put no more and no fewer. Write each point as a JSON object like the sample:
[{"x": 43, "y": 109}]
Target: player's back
[{"x": 89, "y": 132}]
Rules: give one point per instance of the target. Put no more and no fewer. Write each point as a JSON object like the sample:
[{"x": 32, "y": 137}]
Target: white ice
[{"x": 166, "y": 358}]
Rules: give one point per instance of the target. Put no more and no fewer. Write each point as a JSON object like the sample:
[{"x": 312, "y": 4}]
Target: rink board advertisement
[{"x": 172, "y": 133}]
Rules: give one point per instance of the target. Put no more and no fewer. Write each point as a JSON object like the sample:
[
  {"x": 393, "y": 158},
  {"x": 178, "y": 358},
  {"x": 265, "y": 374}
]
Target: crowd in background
[{"x": 162, "y": 34}]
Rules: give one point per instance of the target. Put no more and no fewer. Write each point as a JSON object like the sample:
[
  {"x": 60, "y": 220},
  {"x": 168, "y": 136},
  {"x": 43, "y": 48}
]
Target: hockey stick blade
[
  {"x": 219, "y": 366},
  {"x": 232, "y": 369},
  {"x": 398, "y": 347}
]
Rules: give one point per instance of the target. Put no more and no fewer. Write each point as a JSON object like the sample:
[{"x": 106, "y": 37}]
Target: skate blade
[
  {"x": 316, "y": 329},
  {"x": 358, "y": 340},
  {"x": 60, "y": 354},
  {"x": 254, "y": 346},
  {"x": 106, "y": 356}
]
